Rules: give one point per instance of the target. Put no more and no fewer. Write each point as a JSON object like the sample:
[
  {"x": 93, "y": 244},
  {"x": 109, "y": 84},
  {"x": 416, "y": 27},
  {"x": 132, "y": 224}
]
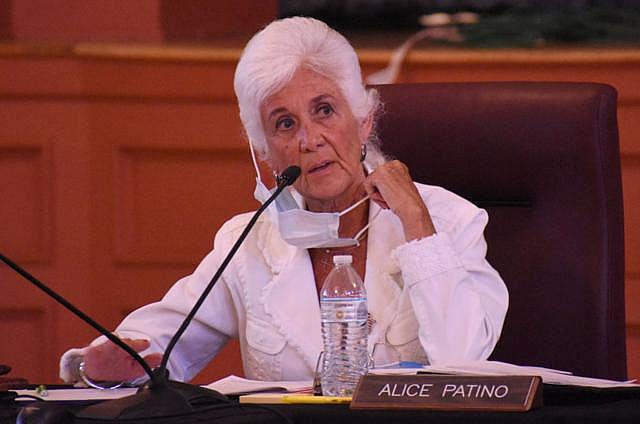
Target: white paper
[
  {"x": 234, "y": 385},
  {"x": 75, "y": 394},
  {"x": 231, "y": 385},
  {"x": 549, "y": 376}
]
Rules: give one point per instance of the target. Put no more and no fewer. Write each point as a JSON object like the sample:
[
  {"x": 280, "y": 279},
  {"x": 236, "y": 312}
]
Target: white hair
[{"x": 273, "y": 55}]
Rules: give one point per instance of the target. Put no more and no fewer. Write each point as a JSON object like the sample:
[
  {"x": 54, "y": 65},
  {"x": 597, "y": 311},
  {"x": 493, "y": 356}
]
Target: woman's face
[{"x": 310, "y": 124}]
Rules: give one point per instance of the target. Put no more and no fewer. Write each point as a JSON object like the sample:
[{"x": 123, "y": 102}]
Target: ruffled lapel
[
  {"x": 382, "y": 278},
  {"x": 290, "y": 297}
]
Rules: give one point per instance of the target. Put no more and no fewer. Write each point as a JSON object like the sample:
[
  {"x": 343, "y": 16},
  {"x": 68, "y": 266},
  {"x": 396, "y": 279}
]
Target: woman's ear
[{"x": 365, "y": 127}]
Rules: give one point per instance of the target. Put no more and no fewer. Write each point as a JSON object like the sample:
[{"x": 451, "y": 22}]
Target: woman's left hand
[{"x": 391, "y": 187}]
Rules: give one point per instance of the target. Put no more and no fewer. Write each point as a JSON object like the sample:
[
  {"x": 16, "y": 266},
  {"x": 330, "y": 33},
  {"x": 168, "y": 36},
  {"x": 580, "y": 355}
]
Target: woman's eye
[
  {"x": 325, "y": 109},
  {"x": 284, "y": 123}
]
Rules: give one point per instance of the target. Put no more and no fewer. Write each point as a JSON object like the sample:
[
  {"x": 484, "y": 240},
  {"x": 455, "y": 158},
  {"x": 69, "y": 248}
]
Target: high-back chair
[{"x": 543, "y": 160}]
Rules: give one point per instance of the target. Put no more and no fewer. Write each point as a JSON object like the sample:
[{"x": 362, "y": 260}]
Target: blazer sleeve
[{"x": 460, "y": 301}]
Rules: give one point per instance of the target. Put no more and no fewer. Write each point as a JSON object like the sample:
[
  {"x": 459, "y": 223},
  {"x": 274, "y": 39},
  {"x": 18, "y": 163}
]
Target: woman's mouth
[{"x": 320, "y": 167}]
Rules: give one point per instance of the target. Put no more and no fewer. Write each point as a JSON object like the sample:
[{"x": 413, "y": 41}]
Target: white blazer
[{"x": 432, "y": 300}]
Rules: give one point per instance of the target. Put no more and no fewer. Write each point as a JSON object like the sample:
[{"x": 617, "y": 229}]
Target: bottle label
[{"x": 344, "y": 310}]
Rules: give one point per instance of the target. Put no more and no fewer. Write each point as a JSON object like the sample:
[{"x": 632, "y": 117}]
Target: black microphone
[
  {"x": 162, "y": 397},
  {"x": 288, "y": 176}
]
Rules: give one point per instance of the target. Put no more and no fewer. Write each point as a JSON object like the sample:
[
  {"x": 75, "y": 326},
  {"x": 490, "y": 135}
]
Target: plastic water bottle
[{"x": 343, "y": 306}]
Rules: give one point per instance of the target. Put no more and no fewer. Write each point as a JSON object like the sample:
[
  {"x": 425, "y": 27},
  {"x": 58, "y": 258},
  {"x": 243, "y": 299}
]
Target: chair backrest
[{"x": 543, "y": 160}]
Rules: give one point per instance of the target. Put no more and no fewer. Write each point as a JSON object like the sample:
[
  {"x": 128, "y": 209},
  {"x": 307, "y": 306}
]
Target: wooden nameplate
[{"x": 448, "y": 392}]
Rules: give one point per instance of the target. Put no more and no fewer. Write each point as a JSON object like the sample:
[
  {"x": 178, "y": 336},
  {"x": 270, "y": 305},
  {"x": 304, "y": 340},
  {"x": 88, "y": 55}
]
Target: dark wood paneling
[
  {"x": 72, "y": 20},
  {"x": 25, "y": 213},
  {"x": 164, "y": 196},
  {"x": 189, "y": 20},
  {"x": 6, "y": 27},
  {"x": 631, "y": 192},
  {"x": 142, "y": 152},
  {"x": 23, "y": 332}
]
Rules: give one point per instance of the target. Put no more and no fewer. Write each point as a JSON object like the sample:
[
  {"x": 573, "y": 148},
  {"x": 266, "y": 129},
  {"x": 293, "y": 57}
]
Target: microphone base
[{"x": 173, "y": 399}]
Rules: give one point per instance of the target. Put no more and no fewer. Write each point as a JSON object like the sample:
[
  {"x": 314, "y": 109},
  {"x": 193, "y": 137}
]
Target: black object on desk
[
  {"x": 7, "y": 383},
  {"x": 563, "y": 404}
]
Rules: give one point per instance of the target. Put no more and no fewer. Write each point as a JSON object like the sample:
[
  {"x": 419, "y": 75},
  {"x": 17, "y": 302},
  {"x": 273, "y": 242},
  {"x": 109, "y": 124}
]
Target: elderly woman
[{"x": 420, "y": 250}]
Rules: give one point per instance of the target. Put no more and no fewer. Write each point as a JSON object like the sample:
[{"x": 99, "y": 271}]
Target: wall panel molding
[
  {"x": 630, "y": 168},
  {"x": 629, "y": 128},
  {"x": 632, "y": 295},
  {"x": 23, "y": 333},
  {"x": 26, "y": 209},
  {"x": 165, "y": 196}
]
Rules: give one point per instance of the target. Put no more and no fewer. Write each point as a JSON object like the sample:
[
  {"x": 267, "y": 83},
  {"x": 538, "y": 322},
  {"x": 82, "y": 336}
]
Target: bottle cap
[{"x": 342, "y": 259}]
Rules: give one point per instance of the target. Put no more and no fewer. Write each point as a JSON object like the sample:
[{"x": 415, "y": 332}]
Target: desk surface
[{"x": 561, "y": 406}]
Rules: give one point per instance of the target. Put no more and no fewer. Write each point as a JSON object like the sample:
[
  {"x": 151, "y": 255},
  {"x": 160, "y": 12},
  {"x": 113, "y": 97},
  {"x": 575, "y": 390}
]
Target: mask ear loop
[
  {"x": 366, "y": 227},
  {"x": 255, "y": 162},
  {"x": 355, "y": 205},
  {"x": 253, "y": 158}
]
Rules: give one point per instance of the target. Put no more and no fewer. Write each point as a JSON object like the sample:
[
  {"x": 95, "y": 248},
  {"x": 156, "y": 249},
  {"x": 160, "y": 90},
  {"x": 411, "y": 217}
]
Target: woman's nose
[{"x": 308, "y": 139}]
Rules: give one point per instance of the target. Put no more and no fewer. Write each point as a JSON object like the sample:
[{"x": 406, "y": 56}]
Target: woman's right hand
[{"x": 108, "y": 362}]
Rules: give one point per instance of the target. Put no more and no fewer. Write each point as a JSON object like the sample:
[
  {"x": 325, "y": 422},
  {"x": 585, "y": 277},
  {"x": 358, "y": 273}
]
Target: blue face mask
[
  {"x": 303, "y": 228},
  {"x": 300, "y": 227}
]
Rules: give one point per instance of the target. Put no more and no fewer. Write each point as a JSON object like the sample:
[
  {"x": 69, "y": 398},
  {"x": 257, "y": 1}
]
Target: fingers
[
  {"x": 137, "y": 344},
  {"x": 108, "y": 362},
  {"x": 375, "y": 195},
  {"x": 386, "y": 181},
  {"x": 390, "y": 186},
  {"x": 153, "y": 360}
]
